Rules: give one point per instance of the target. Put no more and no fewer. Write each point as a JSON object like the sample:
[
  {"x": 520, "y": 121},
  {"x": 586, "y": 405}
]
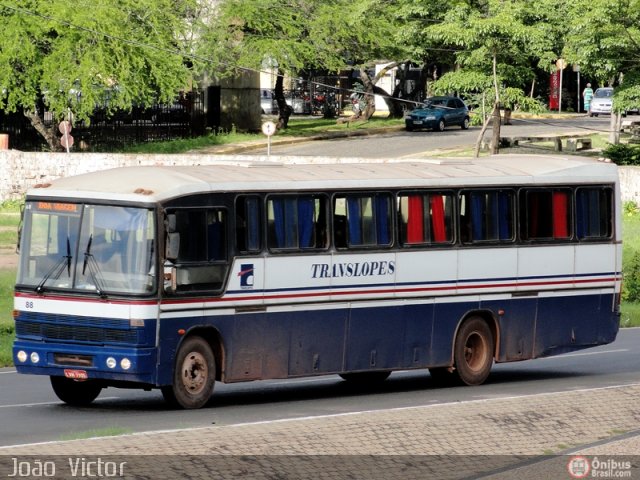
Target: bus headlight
[
  {"x": 111, "y": 362},
  {"x": 35, "y": 358},
  {"x": 21, "y": 356},
  {"x": 125, "y": 363}
]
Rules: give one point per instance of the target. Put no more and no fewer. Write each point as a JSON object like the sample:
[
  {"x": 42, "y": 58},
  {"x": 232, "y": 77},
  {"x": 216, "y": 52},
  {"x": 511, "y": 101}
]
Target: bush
[
  {"x": 631, "y": 284},
  {"x": 623, "y": 154}
]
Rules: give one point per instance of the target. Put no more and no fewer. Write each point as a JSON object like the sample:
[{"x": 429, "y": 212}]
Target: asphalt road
[
  {"x": 422, "y": 143},
  {"x": 30, "y": 412}
]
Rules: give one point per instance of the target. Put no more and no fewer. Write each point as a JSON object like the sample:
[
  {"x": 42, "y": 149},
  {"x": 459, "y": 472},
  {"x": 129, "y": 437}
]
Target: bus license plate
[{"x": 76, "y": 374}]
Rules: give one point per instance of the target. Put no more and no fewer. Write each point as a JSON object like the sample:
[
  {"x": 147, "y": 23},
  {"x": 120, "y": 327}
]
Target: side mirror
[
  {"x": 171, "y": 223},
  {"x": 173, "y": 246}
]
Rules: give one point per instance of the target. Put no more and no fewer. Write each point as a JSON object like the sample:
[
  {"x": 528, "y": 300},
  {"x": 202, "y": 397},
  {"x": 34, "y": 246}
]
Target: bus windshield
[{"x": 87, "y": 248}]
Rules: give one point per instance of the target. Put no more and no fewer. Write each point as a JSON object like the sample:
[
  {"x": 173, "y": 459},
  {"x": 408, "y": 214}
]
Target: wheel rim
[
  {"x": 475, "y": 351},
  {"x": 195, "y": 373}
]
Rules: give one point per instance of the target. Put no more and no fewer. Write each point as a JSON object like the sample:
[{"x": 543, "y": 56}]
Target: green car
[{"x": 437, "y": 113}]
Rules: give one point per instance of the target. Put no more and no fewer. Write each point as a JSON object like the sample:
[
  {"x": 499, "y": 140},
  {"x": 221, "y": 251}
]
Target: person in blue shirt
[{"x": 587, "y": 95}]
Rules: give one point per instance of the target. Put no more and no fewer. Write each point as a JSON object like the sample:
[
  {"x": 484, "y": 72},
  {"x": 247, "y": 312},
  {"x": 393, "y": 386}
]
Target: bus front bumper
[{"x": 85, "y": 362}]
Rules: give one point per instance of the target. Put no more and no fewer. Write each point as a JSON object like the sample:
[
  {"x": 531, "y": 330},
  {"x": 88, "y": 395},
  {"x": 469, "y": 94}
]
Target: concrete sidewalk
[{"x": 459, "y": 440}]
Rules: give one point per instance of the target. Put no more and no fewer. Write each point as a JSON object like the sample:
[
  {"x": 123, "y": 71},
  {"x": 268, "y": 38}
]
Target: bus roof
[{"x": 149, "y": 184}]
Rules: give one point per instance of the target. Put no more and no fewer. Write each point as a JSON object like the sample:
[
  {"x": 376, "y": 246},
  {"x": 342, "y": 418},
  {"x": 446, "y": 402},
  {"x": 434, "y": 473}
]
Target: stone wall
[{"x": 20, "y": 171}]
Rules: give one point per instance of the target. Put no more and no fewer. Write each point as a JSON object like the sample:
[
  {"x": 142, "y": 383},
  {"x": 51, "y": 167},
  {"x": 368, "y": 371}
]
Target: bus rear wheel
[
  {"x": 76, "y": 393},
  {"x": 473, "y": 353},
  {"x": 193, "y": 377}
]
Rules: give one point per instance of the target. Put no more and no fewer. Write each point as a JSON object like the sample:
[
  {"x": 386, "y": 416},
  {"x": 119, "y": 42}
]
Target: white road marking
[{"x": 10, "y": 371}]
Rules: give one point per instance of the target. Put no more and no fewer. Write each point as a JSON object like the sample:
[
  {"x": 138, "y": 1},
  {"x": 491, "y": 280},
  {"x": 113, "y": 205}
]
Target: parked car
[
  {"x": 437, "y": 113},
  {"x": 601, "y": 102},
  {"x": 268, "y": 103}
]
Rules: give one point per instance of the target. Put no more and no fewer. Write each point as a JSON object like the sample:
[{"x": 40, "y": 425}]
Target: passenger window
[
  {"x": 594, "y": 213},
  {"x": 297, "y": 222},
  {"x": 425, "y": 218},
  {"x": 487, "y": 216},
  {"x": 202, "y": 256},
  {"x": 362, "y": 221},
  {"x": 546, "y": 214},
  {"x": 248, "y": 224}
]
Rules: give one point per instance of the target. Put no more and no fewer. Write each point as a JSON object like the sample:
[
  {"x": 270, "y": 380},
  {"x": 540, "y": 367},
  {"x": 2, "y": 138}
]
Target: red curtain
[
  {"x": 560, "y": 214},
  {"x": 415, "y": 218},
  {"x": 437, "y": 219}
]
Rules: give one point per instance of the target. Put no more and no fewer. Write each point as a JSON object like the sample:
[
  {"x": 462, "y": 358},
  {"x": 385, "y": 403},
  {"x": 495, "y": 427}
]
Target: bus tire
[
  {"x": 73, "y": 392},
  {"x": 364, "y": 378},
  {"x": 193, "y": 376},
  {"x": 473, "y": 351}
]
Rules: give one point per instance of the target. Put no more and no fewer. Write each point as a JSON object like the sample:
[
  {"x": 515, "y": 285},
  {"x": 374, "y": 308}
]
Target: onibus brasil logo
[{"x": 582, "y": 467}]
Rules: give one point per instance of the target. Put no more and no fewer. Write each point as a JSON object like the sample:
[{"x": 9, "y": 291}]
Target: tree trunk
[
  {"x": 369, "y": 99},
  {"x": 485, "y": 125},
  {"x": 284, "y": 110},
  {"x": 614, "y": 128},
  {"x": 49, "y": 134},
  {"x": 495, "y": 137}
]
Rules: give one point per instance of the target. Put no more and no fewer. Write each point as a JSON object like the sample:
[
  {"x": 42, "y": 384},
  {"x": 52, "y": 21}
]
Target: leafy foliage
[
  {"x": 623, "y": 154},
  {"x": 102, "y": 54}
]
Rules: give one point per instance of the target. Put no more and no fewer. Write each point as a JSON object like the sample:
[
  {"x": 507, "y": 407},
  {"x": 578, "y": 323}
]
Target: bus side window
[
  {"x": 248, "y": 224},
  {"x": 202, "y": 258},
  {"x": 545, "y": 214},
  {"x": 425, "y": 218},
  {"x": 487, "y": 216},
  {"x": 594, "y": 213},
  {"x": 297, "y": 222},
  {"x": 368, "y": 220}
]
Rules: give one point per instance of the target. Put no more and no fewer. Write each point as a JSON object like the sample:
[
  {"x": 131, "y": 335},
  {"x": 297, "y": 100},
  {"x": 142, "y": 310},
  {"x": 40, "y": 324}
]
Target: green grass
[
  {"x": 9, "y": 219},
  {"x": 8, "y": 237},
  {"x": 186, "y": 144},
  {"x": 96, "y": 432},
  {"x": 7, "y": 326},
  {"x": 298, "y": 127}
]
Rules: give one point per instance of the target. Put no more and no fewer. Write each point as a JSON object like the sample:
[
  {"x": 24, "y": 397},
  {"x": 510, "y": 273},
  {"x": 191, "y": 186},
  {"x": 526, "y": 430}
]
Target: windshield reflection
[{"x": 92, "y": 248}]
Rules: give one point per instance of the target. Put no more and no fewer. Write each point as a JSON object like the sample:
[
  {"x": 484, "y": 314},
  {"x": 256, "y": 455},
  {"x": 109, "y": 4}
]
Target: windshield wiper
[
  {"x": 94, "y": 269},
  {"x": 57, "y": 269}
]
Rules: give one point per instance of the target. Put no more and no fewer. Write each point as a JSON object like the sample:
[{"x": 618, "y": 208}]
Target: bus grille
[{"x": 69, "y": 329}]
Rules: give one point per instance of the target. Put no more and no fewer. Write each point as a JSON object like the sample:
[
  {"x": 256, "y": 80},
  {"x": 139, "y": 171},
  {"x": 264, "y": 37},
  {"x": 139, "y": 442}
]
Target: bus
[{"x": 173, "y": 278}]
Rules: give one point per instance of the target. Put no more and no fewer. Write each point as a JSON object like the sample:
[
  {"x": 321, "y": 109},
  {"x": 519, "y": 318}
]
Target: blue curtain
[
  {"x": 477, "y": 216},
  {"x": 278, "y": 221},
  {"x": 354, "y": 221},
  {"x": 382, "y": 220},
  {"x": 305, "y": 221}
]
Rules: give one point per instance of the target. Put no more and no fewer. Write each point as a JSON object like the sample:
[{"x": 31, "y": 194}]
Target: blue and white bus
[{"x": 177, "y": 277}]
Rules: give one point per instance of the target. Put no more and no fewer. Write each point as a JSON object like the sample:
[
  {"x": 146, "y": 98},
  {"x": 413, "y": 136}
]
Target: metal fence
[{"x": 185, "y": 117}]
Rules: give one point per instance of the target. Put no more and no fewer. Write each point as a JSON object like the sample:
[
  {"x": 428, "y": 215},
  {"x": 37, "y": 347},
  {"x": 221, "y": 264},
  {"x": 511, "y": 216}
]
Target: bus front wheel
[
  {"x": 76, "y": 393},
  {"x": 194, "y": 375},
  {"x": 473, "y": 354}
]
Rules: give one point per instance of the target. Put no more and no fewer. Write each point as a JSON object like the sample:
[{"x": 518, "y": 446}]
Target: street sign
[
  {"x": 66, "y": 141},
  {"x": 64, "y": 127},
  {"x": 268, "y": 128}
]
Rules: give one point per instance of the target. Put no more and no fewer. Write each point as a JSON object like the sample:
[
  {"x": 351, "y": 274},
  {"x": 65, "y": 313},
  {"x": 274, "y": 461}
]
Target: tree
[
  {"x": 299, "y": 35},
  {"x": 71, "y": 57},
  {"x": 497, "y": 39},
  {"x": 605, "y": 41}
]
